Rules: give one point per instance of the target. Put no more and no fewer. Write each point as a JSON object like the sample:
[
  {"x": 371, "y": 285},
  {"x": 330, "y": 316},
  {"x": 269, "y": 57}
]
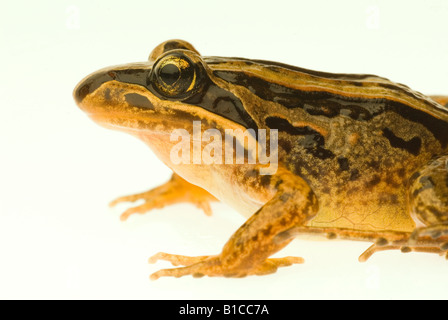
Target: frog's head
[{"x": 171, "y": 90}]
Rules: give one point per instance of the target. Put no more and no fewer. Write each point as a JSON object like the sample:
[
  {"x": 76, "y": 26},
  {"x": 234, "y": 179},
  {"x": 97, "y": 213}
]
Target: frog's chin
[
  {"x": 133, "y": 126},
  {"x": 158, "y": 138},
  {"x": 138, "y": 132}
]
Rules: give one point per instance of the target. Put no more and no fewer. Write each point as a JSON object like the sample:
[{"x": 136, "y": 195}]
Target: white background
[{"x": 59, "y": 170}]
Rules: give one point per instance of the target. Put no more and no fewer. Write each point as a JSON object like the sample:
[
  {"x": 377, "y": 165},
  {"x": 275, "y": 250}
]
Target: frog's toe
[
  {"x": 286, "y": 261},
  {"x": 434, "y": 231},
  {"x": 147, "y": 206},
  {"x": 176, "y": 259},
  {"x": 134, "y": 197},
  {"x": 151, "y": 198},
  {"x": 271, "y": 265},
  {"x": 204, "y": 206},
  {"x": 416, "y": 243},
  {"x": 195, "y": 266},
  {"x": 175, "y": 272}
]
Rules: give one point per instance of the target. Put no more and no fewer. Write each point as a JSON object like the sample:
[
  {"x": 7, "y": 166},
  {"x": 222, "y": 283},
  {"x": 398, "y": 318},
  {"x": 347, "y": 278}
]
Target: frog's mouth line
[{"x": 131, "y": 125}]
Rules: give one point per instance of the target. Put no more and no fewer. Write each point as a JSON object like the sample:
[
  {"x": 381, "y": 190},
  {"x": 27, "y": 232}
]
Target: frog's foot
[
  {"x": 174, "y": 191},
  {"x": 434, "y": 232},
  {"x": 441, "y": 248},
  {"x": 212, "y": 266}
]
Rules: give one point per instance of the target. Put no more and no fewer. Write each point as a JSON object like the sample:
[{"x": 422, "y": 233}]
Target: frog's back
[
  {"x": 355, "y": 139},
  {"x": 282, "y": 83}
]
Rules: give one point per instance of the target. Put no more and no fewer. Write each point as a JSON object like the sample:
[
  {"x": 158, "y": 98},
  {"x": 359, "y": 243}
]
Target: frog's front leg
[
  {"x": 248, "y": 250},
  {"x": 176, "y": 190}
]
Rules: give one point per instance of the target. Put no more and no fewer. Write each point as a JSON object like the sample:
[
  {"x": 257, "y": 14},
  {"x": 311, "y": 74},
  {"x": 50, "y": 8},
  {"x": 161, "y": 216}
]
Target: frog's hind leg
[
  {"x": 176, "y": 190},
  {"x": 428, "y": 199},
  {"x": 443, "y": 100},
  {"x": 428, "y": 205},
  {"x": 382, "y": 240}
]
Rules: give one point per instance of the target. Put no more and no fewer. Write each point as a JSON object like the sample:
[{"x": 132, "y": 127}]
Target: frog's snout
[
  {"x": 90, "y": 83},
  {"x": 134, "y": 74},
  {"x": 80, "y": 92}
]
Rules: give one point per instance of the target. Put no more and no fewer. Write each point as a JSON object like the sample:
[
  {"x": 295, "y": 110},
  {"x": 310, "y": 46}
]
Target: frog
[{"x": 358, "y": 157}]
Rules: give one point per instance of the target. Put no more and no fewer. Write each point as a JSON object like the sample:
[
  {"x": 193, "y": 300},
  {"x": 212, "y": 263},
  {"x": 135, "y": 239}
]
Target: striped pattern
[{"x": 360, "y": 97}]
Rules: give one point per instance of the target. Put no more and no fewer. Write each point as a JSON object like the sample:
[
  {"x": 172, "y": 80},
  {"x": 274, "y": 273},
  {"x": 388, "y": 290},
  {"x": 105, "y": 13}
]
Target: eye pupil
[{"x": 169, "y": 73}]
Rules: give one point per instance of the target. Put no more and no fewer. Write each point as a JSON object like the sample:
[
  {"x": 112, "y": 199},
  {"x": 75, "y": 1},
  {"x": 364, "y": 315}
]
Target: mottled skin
[{"x": 359, "y": 157}]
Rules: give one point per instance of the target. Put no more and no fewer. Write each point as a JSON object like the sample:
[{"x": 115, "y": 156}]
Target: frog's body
[{"x": 359, "y": 157}]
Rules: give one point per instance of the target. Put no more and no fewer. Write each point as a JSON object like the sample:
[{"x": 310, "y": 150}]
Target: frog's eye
[{"x": 175, "y": 76}]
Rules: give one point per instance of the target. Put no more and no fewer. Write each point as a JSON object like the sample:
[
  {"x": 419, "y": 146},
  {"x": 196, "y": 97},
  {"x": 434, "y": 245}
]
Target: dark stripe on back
[
  {"x": 412, "y": 146},
  {"x": 323, "y": 103},
  {"x": 313, "y": 102},
  {"x": 275, "y": 66},
  {"x": 313, "y": 142}
]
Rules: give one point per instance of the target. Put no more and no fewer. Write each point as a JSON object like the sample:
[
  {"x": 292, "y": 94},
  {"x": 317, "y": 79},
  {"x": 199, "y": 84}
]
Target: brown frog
[{"x": 356, "y": 156}]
